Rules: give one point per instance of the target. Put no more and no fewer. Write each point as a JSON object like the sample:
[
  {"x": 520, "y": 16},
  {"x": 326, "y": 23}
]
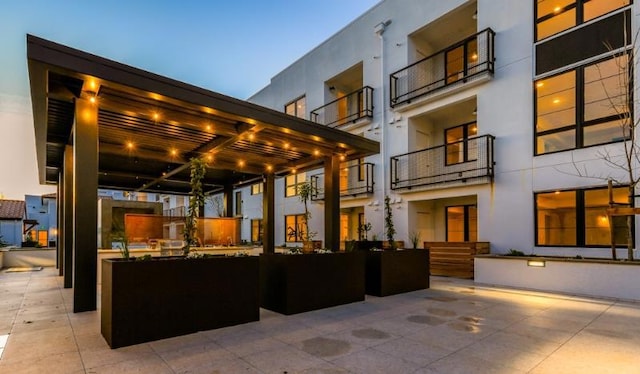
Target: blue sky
[{"x": 233, "y": 47}]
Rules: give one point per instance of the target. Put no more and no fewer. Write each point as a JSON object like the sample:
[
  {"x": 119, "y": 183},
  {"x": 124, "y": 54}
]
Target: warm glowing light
[
  {"x": 474, "y": 56},
  {"x": 269, "y": 167},
  {"x": 130, "y": 145},
  {"x": 156, "y": 116},
  {"x": 209, "y": 128},
  {"x": 557, "y": 192},
  {"x": 557, "y": 9},
  {"x": 92, "y": 85},
  {"x": 174, "y": 152},
  {"x": 316, "y": 138},
  {"x": 92, "y": 99},
  {"x": 536, "y": 263},
  {"x": 252, "y": 136},
  {"x": 556, "y": 101},
  {"x": 209, "y": 158},
  {"x": 342, "y": 157},
  {"x": 241, "y": 163},
  {"x": 286, "y": 145},
  {"x": 316, "y": 153},
  {"x": 293, "y": 170},
  {"x": 539, "y": 84}
]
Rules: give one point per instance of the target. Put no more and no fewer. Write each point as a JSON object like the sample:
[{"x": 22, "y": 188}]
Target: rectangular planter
[
  {"x": 589, "y": 277},
  {"x": 363, "y": 245},
  {"x": 393, "y": 272},
  {"x": 149, "y": 300},
  {"x": 292, "y": 284}
]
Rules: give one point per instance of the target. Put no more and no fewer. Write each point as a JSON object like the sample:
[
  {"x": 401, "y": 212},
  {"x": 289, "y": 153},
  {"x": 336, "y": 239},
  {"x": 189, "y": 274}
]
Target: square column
[
  {"x": 60, "y": 218},
  {"x": 332, "y": 202},
  {"x": 227, "y": 197},
  {"x": 67, "y": 221},
  {"x": 85, "y": 206},
  {"x": 268, "y": 214}
]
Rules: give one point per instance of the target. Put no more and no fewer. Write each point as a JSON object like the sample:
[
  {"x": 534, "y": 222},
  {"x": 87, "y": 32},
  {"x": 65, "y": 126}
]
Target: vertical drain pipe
[{"x": 379, "y": 30}]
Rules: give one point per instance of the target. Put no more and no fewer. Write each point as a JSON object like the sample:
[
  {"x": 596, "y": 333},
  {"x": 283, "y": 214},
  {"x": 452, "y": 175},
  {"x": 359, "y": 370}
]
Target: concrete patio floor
[{"x": 454, "y": 327}]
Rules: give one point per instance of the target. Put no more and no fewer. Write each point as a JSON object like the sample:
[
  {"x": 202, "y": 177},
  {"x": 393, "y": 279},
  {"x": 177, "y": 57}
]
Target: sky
[{"x": 233, "y": 47}]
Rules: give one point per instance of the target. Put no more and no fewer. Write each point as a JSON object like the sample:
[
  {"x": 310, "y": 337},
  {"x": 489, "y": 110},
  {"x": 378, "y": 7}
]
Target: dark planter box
[
  {"x": 149, "y": 300},
  {"x": 292, "y": 284},
  {"x": 365, "y": 245},
  {"x": 393, "y": 272}
]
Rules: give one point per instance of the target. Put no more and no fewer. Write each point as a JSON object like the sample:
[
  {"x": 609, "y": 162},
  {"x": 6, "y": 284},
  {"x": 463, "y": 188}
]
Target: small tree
[
  {"x": 388, "y": 220},
  {"x": 363, "y": 231},
  {"x": 305, "y": 191},
  {"x": 218, "y": 204},
  {"x": 196, "y": 201}
]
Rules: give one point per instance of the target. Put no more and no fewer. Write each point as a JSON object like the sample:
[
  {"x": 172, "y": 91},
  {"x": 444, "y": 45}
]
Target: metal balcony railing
[
  {"x": 354, "y": 180},
  {"x": 346, "y": 109},
  {"x": 179, "y": 211},
  {"x": 465, "y": 61},
  {"x": 465, "y": 162}
]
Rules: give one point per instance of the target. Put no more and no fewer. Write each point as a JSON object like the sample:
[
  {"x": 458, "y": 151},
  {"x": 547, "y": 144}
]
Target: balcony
[
  {"x": 349, "y": 108},
  {"x": 355, "y": 180},
  {"x": 466, "y": 61},
  {"x": 453, "y": 164},
  {"x": 177, "y": 212}
]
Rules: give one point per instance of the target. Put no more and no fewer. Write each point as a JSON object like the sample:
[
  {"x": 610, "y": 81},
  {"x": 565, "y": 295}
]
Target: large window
[
  {"x": 554, "y": 16},
  {"x": 459, "y": 148},
  {"x": 294, "y": 228},
  {"x": 583, "y": 107},
  {"x": 256, "y": 230},
  {"x": 297, "y": 107},
  {"x": 257, "y": 188},
  {"x": 462, "y": 223},
  {"x": 578, "y": 218},
  {"x": 292, "y": 182}
]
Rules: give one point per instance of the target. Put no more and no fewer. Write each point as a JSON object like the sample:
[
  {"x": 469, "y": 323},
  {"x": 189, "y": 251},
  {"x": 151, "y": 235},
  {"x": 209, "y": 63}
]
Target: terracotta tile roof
[{"x": 12, "y": 209}]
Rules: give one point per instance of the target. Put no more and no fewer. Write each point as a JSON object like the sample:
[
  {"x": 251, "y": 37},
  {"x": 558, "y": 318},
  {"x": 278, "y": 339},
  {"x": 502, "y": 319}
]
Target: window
[
  {"x": 362, "y": 170},
  {"x": 294, "y": 228},
  {"x": 297, "y": 108},
  {"x": 578, "y": 218},
  {"x": 257, "y": 188},
  {"x": 292, "y": 182},
  {"x": 583, "y": 107},
  {"x": 238, "y": 203},
  {"x": 462, "y": 223},
  {"x": 459, "y": 147},
  {"x": 554, "y": 16},
  {"x": 256, "y": 230}
]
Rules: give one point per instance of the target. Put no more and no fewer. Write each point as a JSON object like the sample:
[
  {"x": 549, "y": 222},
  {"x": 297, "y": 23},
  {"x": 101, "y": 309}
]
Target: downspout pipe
[{"x": 379, "y": 29}]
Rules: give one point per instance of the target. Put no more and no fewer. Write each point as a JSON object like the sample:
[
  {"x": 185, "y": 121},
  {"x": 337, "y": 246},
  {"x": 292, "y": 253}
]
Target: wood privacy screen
[{"x": 454, "y": 259}]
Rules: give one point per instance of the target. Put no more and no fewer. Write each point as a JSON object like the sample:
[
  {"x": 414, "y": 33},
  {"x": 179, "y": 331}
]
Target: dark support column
[
  {"x": 268, "y": 214},
  {"x": 85, "y": 206},
  {"x": 60, "y": 218},
  {"x": 332, "y": 202},
  {"x": 228, "y": 200},
  {"x": 67, "y": 221}
]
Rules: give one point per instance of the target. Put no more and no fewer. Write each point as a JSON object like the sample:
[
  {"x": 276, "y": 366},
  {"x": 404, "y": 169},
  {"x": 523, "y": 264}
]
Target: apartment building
[{"x": 494, "y": 118}]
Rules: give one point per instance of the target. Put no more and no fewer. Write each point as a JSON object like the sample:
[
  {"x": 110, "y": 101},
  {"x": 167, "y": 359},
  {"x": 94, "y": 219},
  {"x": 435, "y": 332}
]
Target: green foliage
[
  {"x": 144, "y": 258},
  {"x": 515, "y": 252},
  {"x": 120, "y": 237},
  {"x": 3, "y": 243},
  {"x": 363, "y": 230},
  {"x": 415, "y": 239},
  {"x": 196, "y": 201},
  {"x": 388, "y": 221}
]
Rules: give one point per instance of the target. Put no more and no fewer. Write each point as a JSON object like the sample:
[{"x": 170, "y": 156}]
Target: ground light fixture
[{"x": 536, "y": 263}]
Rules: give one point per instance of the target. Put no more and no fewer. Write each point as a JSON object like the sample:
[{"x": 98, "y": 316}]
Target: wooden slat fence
[{"x": 454, "y": 259}]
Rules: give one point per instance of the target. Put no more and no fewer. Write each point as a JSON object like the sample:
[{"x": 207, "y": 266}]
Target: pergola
[{"x": 102, "y": 124}]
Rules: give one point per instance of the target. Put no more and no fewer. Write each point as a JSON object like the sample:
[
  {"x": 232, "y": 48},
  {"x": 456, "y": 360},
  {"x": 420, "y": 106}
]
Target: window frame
[
  {"x": 299, "y": 222},
  {"x": 581, "y": 229},
  {"x": 464, "y": 141},
  {"x": 465, "y": 219},
  {"x": 578, "y": 5},
  {"x": 260, "y": 230},
  {"x": 238, "y": 203},
  {"x": 580, "y": 124},
  {"x": 296, "y": 183},
  {"x": 258, "y": 190},
  {"x": 294, "y": 102}
]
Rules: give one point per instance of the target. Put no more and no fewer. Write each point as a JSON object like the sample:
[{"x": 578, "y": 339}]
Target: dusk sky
[{"x": 232, "y": 47}]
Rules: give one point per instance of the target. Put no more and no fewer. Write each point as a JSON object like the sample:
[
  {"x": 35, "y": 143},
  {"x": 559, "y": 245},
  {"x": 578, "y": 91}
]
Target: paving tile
[
  {"x": 371, "y": 361},
  {"x": 463, "y": 363},
  {"x": 236, "y": 365},
  {"x": 411, "y": 350},
  {"x": 62, "y": 363},
  {"x": 144, "y": 363},
  {"x": 281, "y": 360}
]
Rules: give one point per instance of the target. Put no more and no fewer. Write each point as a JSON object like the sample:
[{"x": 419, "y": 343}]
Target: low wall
[
  {"x": 610, "y": 279},
  {"x": 29, "y": 257}
]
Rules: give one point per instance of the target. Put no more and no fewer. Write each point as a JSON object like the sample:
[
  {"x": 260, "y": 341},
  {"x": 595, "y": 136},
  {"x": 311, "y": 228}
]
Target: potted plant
[
  {"x": 305, "y": 191},
  {"x": 196, "y": 202},
  {"x": 388, "y": 220}
]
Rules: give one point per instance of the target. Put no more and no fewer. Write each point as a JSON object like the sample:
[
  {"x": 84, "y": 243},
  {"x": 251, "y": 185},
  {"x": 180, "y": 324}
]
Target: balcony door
[{"x": 462, "y": 223}]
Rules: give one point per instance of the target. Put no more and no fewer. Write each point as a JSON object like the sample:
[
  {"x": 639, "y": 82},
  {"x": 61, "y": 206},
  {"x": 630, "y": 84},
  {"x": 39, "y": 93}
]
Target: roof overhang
[{"x": 150, "y": 126}]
